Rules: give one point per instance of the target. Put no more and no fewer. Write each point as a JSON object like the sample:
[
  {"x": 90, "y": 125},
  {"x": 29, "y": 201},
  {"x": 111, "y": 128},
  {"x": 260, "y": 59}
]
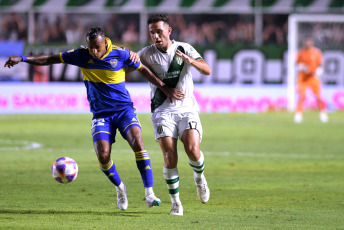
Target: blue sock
[
  {"x": 144, "y": 166},
  {"x": 110, "y": 170}
]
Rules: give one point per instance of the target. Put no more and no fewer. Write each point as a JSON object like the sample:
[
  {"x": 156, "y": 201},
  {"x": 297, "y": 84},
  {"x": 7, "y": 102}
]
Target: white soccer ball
[{"x": 64, "y": 170}]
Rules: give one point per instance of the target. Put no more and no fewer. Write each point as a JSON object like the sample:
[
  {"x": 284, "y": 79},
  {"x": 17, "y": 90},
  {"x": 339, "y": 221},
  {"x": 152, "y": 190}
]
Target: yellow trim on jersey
[
  {"x": 100, "y": 132},
  {"x": 109, "y": 48},
  {"x": 140, "y": 66},
  {"x": 60, "y": 55},
  {"x": 103, "y": 76}
]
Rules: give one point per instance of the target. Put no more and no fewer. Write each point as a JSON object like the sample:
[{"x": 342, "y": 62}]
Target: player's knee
[
  {"x": 103, "y": 155},
  {"x": 134, "y": 139},
  {"x": 191, "y": 149},
  {"x": 171, "y": 159},
  {"x": 171, "y": 164}
]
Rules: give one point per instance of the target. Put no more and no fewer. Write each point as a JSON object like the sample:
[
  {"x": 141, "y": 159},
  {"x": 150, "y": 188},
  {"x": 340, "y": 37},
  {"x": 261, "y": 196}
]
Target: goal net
[{"x": 327, "y": 32}]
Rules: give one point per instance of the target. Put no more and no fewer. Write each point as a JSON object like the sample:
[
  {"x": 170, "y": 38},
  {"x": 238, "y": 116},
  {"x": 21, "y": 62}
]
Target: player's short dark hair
[
  {"x": 158, "y": 18},
  {"x": 94, "y": 32}
]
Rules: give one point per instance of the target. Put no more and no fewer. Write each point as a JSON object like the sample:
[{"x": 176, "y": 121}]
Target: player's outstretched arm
[
  {"x": 169, "y": 92},
  {"x": 201, "y": 65},
  {"x": 34, "y": 60}
]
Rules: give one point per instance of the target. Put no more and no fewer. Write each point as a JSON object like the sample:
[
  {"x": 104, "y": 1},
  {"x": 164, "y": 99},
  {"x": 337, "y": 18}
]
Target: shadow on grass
[{"x": 64, "y": 212}]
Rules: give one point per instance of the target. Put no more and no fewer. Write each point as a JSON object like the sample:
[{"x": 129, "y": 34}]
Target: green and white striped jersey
[{"x": 172, "y": 70}]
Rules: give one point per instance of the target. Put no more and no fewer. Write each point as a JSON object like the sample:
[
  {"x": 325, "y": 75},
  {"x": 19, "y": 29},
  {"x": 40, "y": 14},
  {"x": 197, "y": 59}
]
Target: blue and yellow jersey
[{"x": 104, "y": 78}]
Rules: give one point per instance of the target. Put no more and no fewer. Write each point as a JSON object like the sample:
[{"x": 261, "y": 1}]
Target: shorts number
[
  {"x": 97, "y": 122},
  {"x": 193, "y": 125}
]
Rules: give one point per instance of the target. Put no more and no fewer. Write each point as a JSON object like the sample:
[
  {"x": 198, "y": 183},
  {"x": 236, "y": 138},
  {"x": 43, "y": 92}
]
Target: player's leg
[
  {"x": 103, "y": 136},
  {"x": 169, "y": 149},
  {"x": 191, "y": 138},
  {"x": 165, "y": 132},
  {"x": 301, "y": 89},
  {"x": 315, "y": 86},
  {"x": 130, "y": 128},
  {"x": 134, "y": 138}
]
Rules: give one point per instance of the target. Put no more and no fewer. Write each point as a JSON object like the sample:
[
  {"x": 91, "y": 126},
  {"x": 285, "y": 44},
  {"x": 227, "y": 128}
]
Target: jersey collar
[
  {"x": 165, "y": 51},
  {"x": 109, "y": 48}
]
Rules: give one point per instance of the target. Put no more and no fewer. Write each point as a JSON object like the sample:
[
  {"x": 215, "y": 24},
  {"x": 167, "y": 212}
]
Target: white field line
[
  {"x": 26, "y": 145},
  {"x": 19, "y": 145}
]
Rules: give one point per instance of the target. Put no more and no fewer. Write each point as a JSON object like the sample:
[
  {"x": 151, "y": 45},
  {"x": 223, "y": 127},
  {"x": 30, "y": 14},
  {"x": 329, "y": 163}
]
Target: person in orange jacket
[{"x": 309, "y": 61}]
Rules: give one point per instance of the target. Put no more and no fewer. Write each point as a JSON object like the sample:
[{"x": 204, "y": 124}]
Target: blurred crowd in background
[
  {"x": 197, "y": 29},
  {"x": 201, "y": 29}
]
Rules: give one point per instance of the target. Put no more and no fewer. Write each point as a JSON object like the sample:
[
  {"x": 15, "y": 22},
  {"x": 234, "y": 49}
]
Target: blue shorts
[{"x": 104, "y": 127}]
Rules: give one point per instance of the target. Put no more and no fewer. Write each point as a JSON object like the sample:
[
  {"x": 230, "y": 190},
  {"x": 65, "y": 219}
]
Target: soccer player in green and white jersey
[{"x": 171, "y": 61}]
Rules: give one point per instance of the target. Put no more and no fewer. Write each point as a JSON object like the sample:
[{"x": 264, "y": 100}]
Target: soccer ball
[{"x": 64, "y": 170}]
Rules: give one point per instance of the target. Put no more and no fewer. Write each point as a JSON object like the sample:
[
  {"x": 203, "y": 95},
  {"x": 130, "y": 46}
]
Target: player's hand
[
  {"x": 185, "y": 57},
  {"x": 303, "y": 67},
  {"x": 173, "y": 93},
  {"x": 12, "y": 60},
  {"x": 134, "y": 57}
]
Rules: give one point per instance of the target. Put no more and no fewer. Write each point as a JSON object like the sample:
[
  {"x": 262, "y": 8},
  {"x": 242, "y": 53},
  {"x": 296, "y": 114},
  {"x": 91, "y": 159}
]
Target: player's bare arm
[
  {"x": 34, "y": 60},
  {"x": 199, "y": 64},
  {"x": 170, "y": 92}
]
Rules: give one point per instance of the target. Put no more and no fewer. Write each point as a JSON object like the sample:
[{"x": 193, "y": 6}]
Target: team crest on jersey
[
  {"x": 179, "y": 60},
  {"x": 113, "y": 62}
]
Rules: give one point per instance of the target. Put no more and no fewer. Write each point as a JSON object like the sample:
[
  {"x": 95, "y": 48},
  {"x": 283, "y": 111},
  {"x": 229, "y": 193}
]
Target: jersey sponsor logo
[
  {"x": 167, "y": 75},
  {"x": 113, "y": 62}
]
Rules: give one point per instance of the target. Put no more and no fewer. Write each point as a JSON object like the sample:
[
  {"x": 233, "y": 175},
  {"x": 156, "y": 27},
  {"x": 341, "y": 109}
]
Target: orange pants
[{"x": 314, "y": 84}]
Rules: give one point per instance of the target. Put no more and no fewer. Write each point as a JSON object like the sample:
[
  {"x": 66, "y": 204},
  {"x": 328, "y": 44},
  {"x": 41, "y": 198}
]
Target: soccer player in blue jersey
[{"x": 102, "y": 65}]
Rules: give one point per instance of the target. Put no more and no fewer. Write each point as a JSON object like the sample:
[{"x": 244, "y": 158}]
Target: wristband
[{"x": 23, "y": 58}]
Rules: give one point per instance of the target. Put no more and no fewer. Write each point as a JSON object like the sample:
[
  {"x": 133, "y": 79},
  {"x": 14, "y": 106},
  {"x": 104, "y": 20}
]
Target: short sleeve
[
  {"x": 128, "y": 63},
  {"x": 192, "y": 52},
  {"x": 70, "y": 57}
]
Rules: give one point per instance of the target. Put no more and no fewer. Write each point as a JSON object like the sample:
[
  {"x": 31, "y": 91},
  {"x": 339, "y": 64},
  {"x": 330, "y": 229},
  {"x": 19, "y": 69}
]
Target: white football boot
[
  {"x": 122, "y": 199},
  {"x": 152, "y": 201},
  {"x": 203, "y": 192},
  {"x": 177, "y": 209},
  {"x": 323, "y": 117},
  {"x": 298, "y": 118}
]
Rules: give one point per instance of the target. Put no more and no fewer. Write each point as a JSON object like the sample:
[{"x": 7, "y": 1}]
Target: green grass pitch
[{"x": 263, "y": 171}]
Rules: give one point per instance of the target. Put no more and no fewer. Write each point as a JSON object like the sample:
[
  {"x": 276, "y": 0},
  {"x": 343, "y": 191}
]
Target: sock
[
  {"x": 148, "y": 191},
  {"x": 144, "y": 166},
  {"x": 120, "y": 186},
  {"x": 110, "y": 170},
  {"x": 198, "y": 166},
  {"x": 172, "y": 180}
]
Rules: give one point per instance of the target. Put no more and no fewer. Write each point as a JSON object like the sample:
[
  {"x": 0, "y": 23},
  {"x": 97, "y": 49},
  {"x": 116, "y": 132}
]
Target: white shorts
[{"x": 174, "y": 124}]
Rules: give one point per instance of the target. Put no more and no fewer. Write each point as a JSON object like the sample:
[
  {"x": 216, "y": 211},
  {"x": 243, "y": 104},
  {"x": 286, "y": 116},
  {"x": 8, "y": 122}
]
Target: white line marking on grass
[
  {"x": 19, "y": 145},
  {"x": 26, "y": 145},
  {"x": 275, "y": 155}
]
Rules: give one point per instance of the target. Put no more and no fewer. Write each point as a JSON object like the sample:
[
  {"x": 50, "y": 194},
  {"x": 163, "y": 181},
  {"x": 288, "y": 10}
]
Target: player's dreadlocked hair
[
  {"x": 158, "y": 18},
  {"x": 93, "y": 32}
]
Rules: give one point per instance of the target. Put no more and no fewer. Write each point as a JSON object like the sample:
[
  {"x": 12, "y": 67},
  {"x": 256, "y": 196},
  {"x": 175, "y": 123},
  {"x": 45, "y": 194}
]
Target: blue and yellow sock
[
  {"x": 144, "y": 165},
  {"x": 110, "y": 171}
]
